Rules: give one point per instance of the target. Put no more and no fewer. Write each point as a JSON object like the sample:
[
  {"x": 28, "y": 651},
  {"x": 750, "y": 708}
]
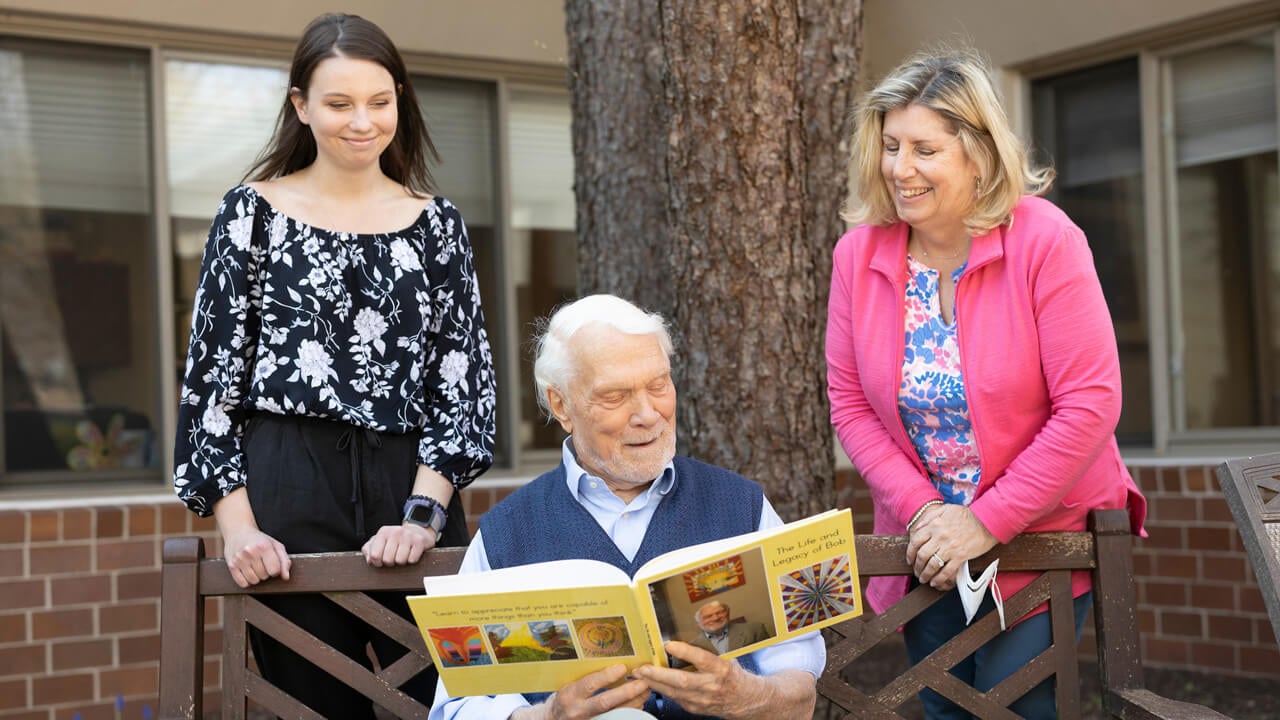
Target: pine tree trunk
[{"x": 750, "y": 105}]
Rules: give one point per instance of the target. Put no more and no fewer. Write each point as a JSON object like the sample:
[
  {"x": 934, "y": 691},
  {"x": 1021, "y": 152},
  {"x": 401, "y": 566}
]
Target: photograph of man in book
[
  {"x": 621, "y": 495},
  {"x": 719, "y": 635}
]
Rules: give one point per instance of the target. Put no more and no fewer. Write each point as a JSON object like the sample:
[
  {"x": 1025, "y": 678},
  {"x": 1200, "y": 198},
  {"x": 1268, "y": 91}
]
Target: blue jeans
[{"x": 998, "y": 659}]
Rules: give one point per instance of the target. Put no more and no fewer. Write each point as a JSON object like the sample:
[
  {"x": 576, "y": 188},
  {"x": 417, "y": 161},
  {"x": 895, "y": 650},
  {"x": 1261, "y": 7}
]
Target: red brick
[
  {"x": 1142, "y": 563},
  {"x": 138, "y": 585},
  {"x": 1146, "y": 622},
  {"x": 61, "y": 624},
  {"x": 213, "y": 672},
  {"x": 13, "y": 627},
  {"x": 142, "y": 648},
  {"x": 1215, "y": 509},
  {"x": 129, "y": 617},
  {"x": 52, "y": 689},
  {"x": 1165, "y": 651},
  {"x": 77, "y": 524},
  {"x": 1170, "y": 510},
  {"x": 1251, "y": 601},
  {"x": 1170, "y": 537},
  {"x": 12, "y": 562},
  {"x": 100, "y": 711},
  {"x": 1199, "y": 479},
  {"x": 1169, "y": 480},
  {"x": 130, "y": 681},
  {"x": 1181, "y": 623},
  {"x": 13, "y": 527},
  {"x": 174, "y": 518},
  {"x": 80, "y": 590},
  {"x": 1230, "y": 628},
  {"x": 13, "y": 694},
  {"x": 1211, "y": 538},
  {"x": 127, "y": 554},
  {"x": 142, "y": 520},
  {"x": 1158, "y": 592},
  {"x": 1218, "y": 656},
  {"x": 22, "y": 594},
  {"x": 22, "y": 660},
  {"x": 1213, "y": 597},
  {"x": 43, "y": 525},
  {"x": 203, "y": 526},
  {"x": 60, "y": 559},
  {"x": 110, "y": 523},
  {"x": 78, "y": 654},
  {"x": 32, "y": 715},
  {"x": 1229, "y": 568},
  {"x": 1174, "y": 565},
  {"x": 1257, "y": 658}
]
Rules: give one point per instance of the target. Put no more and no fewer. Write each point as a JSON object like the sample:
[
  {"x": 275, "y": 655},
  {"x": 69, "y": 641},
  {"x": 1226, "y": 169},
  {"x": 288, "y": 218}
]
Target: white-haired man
[{"x": 621, "y": 495}]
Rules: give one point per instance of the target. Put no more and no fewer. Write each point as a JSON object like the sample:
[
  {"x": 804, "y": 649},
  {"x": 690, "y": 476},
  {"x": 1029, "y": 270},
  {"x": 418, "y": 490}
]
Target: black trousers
[{"x": 322, "y": 486}]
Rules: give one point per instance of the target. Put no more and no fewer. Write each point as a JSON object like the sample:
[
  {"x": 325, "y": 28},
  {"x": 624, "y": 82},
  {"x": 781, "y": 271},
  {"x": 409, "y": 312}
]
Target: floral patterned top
[
  {"x": 931, "y": 399},
  {"x": 383, "y": 331}
]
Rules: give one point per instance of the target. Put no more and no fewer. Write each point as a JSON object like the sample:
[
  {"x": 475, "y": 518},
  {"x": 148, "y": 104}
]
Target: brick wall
[{"x": 79, "y": 596}]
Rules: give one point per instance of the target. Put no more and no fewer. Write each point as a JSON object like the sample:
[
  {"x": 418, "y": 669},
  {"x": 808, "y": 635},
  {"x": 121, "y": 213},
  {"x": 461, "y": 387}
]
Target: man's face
[
  {"x": 620, "y": 407},
  {"x": 713, "y": 618}
]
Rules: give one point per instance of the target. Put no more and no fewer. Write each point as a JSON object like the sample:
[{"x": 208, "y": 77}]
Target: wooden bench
[
  {"x": 1252, "y": 488},
  {"x": 189, "y": 578}
]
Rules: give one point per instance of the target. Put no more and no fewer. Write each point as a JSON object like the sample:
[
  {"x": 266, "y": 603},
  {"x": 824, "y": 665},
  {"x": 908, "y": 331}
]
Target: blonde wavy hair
[{"x": 957, "y": 85}]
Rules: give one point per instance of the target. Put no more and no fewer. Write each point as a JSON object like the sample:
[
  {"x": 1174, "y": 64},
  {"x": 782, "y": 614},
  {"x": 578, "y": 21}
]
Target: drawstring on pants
[{"x": 358, "y": 443}]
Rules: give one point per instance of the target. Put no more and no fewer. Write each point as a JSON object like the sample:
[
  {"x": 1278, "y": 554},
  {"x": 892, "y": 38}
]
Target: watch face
[{"x": 420, "y": 514}]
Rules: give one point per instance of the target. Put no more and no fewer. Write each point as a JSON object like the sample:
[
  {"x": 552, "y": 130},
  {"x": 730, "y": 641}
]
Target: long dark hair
[{"x": 292, "y": 145}]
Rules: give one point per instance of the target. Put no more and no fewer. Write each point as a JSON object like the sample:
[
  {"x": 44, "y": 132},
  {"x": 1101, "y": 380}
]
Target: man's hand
[
  {"x": 722, "y": 688},
  {"x": 398, "y": 545},
  {"x": 582, "y": 699}
]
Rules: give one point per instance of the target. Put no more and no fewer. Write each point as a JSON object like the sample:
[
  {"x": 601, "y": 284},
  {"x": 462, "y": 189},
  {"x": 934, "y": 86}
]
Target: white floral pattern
[{"x": 383, "y": 331}]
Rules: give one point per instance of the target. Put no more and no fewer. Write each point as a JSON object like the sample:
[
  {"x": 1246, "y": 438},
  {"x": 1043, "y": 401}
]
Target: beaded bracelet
[{"x": 920, "y": 512}]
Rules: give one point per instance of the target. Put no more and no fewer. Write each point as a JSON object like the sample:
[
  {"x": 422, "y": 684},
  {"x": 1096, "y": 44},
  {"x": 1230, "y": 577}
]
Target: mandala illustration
[
  {"x": 603, "y": 637},
  {"x": 813, "y": 594}
]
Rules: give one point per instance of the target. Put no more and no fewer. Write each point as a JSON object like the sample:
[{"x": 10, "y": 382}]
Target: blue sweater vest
[{"x": 541, "y": 522}]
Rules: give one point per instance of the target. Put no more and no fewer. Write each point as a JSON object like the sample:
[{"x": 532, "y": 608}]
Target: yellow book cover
[{"x": 534, "y": 628}]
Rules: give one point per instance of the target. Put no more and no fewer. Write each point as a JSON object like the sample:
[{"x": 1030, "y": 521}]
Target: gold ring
[{"x": 938, "y": 559}]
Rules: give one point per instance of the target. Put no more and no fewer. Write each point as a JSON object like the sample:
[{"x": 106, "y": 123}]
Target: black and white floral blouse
[{"x": 383, "y": 331}]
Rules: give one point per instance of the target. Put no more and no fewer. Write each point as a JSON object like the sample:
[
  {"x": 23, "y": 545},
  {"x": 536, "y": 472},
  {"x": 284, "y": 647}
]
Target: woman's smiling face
[{"x": 930, "y": 177}]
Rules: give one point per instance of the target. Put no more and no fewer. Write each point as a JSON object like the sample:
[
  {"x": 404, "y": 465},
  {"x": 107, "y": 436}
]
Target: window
[
  {"x": 77, "y": 264},
  {"x": 85, "y": 212},
  {"x": 1210, "y": 371}
]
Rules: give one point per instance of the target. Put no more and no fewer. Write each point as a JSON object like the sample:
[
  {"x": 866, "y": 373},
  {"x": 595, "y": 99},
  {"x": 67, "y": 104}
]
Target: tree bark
[{"x": 752, "y": 111}]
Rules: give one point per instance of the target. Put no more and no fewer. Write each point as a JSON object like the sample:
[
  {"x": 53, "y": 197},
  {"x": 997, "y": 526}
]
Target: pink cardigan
[{"x": 1040, "y": 367}]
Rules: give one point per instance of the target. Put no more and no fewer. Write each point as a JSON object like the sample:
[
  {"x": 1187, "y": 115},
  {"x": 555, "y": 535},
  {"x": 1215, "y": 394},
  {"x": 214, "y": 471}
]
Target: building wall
[
  {"x": 80, "y": 612},
  {"x": 529, "y": 30}
]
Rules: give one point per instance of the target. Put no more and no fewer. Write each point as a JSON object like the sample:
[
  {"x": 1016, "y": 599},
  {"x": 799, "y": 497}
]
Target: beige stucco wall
[
  {"x": 513, "y": 30},
  {"x": 1011, "y": 32}
]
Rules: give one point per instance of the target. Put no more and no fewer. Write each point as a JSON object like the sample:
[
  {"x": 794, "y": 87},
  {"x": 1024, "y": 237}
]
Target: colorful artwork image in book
[
  {"x": 603, "y": 637},
  {"x": 815, "y": 593},
  {"x": 460, "y": 646},
  {"x": 716, "y": 577},
  {"x": 536, "y": 641}
]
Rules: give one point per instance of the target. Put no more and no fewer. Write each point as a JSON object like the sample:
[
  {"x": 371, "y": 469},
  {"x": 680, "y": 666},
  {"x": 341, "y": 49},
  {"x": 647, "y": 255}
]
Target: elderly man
[
  {"x": 719, "y": 635},
  {"x": 622, "y": 496}
]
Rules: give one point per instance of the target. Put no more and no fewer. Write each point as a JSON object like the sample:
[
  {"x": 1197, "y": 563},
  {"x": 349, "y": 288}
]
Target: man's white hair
[{"x": 553, "y": 361}]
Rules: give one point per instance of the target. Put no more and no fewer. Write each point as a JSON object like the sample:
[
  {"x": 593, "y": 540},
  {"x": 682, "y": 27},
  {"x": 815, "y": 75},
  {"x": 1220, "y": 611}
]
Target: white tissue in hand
[{"x": 972, "y": 591}]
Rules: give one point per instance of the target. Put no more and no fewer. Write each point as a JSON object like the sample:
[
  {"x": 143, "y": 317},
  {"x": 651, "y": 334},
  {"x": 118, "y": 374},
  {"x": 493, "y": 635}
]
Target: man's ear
[
  {"x": 559, "y": 409},
  {"x": 299, "y": 104}
]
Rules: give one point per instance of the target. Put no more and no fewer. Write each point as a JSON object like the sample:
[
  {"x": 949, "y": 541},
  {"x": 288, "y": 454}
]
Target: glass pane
[
  {"x": 460, "y": 117},
  {"x": 218, "y": 117},
  {"x": 1227, "y": 248},
  {"x": 1089, "y": 123},
  {"x": 77, "y": 289},
  {"x": 544, "y": 249}
]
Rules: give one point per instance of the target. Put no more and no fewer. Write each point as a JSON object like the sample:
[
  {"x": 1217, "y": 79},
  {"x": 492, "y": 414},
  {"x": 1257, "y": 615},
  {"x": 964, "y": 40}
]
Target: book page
[{"x": 756, "y": 589}]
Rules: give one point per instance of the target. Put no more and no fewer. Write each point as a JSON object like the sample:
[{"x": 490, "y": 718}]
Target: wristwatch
[{"x": 425, "y": 511}]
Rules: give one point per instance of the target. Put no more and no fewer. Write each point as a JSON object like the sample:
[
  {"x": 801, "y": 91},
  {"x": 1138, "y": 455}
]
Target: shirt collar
[{"x": 574, "y": 474}]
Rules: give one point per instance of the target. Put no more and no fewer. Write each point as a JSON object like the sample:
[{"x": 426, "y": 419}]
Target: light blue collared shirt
[{"x": 626, "y": 523}]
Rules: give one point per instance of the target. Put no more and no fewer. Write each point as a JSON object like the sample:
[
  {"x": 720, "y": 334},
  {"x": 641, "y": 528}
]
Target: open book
[{"x": 534, "y": 628}]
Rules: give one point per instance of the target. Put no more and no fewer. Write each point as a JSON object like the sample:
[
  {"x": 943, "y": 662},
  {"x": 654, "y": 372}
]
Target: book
[{"x": 535, "y": 628}]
